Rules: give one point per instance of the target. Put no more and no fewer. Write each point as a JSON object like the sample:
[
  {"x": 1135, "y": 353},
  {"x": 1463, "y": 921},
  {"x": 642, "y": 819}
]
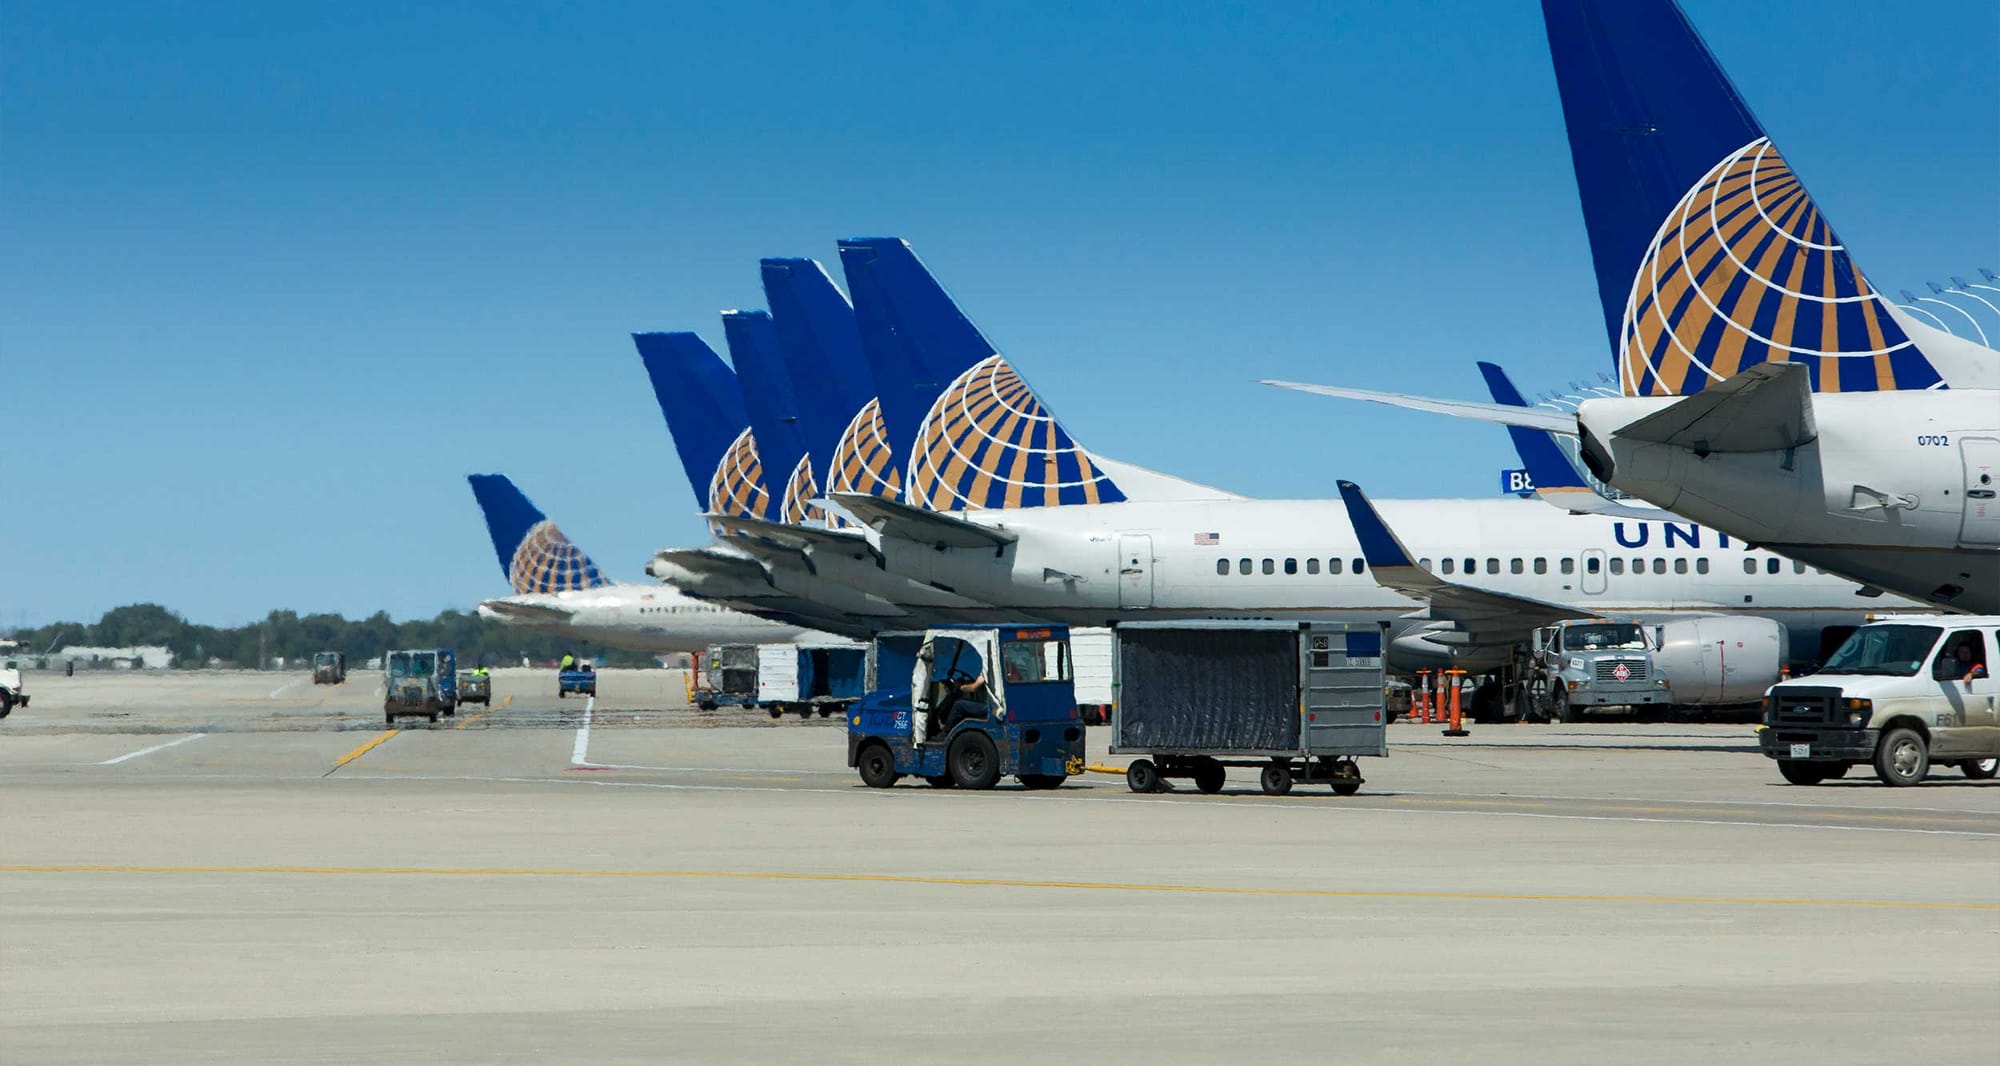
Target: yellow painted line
[
  {"x": 994, "y": 882},
  {"x": 505, "y": 700},
  {"x": 463, "y": 722},
  {"x": 363, "y": 749}
]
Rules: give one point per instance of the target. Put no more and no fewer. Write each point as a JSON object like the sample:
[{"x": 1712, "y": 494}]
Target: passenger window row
[{"x": 1291, "y": 566}]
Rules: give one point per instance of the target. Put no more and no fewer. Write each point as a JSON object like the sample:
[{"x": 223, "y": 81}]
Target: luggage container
[
  {"x": 810, "y": 677},
  {"x": 1297, "y": 701},
  {"x": 1092, "y": 651}
]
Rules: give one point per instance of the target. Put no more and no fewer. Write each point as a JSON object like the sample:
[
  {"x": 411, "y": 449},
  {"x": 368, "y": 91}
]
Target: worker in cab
[{"x": 1967, "y": 658}]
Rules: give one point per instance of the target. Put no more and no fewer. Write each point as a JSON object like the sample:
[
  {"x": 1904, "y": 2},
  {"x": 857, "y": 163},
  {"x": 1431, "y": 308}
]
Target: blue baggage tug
[{"x": 982, "y": 702}]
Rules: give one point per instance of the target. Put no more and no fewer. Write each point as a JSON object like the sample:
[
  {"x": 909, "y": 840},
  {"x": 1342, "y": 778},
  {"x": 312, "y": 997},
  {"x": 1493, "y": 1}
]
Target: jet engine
[{"x": 1716, "y": 661}]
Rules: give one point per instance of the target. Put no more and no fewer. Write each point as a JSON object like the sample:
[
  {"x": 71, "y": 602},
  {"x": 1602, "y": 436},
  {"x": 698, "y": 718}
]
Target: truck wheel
[
  {"x": 1277, "y": 779},
  {"x": 1210, "y": 776},
  {"x": 1903, "y": 758},
  {"x": 7, "y": 707},
  {"x": 389, "y": 719},
  {"x": 1559, "y": 708},
  {"x": 560, "y": 694},
  {"x": 1800, "y": 772},
  {"x": 1042, "y": 781},
  {"x": 1977, "y": 769},
  {"x": 974, "y": 761},
  {"x": 706, "y": 705},
  {"x": 1142, "y": 776},
  {"x": 877, "y": 766}
]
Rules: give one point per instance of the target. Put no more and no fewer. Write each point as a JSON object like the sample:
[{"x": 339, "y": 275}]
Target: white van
[{"x": 1901, "y": 694}]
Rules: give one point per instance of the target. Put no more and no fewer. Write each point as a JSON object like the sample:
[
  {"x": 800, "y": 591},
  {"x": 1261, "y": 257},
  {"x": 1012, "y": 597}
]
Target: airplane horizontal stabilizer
[
  {"x": 522, "y": 613},
  {"x": 1506, "y": 415},
  {"x": 710, "y": 563},
  {"x": 1489, "y": 618},
  {"x": 798, "y": 538},
  {"x": 892, "y": 519},
  {"x": 1557, "y": 481},
  {"x": 1766, "y": 408}
]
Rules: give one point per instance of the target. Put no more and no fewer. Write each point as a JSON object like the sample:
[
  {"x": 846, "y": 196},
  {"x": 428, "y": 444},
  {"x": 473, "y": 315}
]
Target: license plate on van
[{"x": 1802, "y": 751}]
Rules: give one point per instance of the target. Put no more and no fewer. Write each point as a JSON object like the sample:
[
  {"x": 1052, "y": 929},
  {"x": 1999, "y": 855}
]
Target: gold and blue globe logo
[
  {"x": 737, "y": 487},
  {"x": 546, "y": 561},
  {"x": 1746, "y": 270},
  {"x": 863, "y": 463},
  {"x": 989, "y": 443}
]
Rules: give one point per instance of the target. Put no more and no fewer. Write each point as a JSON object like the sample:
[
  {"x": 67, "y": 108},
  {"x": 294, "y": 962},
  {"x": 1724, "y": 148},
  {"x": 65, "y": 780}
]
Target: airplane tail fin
[
  {"x": 703, "y": 404},
  {"x": 773, "y": 407},
  {"x": 534, "y": 554},
  {"x": 1711, "y": 256},
  {"x": 979, "y": 437},
  {"x": 821, "y": 343}
]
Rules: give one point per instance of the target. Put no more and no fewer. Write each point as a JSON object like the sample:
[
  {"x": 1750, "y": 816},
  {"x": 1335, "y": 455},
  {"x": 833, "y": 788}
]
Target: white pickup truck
[
  {"x": 11, "y": 695},
  {"x": 1902, "y": 694}
]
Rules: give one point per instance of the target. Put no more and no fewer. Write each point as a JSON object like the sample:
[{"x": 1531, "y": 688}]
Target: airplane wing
[
  {"x": 1557, "y": 482},
  {"x": 1531, "y": 417},
  {"x": 900, "y": 520},
  {"x": 1487, "y": 617},
  {"x": 1766, "y": 408}
]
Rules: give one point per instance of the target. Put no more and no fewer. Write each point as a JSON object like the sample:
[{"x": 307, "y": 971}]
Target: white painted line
[
  {"x": 151, "y": 750},
  {"x": 577, "y": 754},
  {"x": 282, "y": 689}
]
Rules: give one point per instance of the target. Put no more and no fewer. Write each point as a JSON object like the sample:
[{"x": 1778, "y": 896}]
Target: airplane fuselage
[{"x": 647, "y": 618}]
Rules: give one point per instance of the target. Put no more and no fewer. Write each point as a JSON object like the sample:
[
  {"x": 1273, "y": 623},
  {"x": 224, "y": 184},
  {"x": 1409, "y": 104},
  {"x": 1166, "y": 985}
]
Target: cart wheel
[
  {"x": 706, "y": 705},
  {"x": 974, "y": 760},
  {"x": 433, "y": 717},
  {"x": 1209, "y": 776},
  {"x": 388, "y": 719},
  {"x": 1346, "y": 778},
  {"x": 941, "y": 781},
  {"x": 1277, "y": 779},
  {"x": 805, "y": 710},
  {"x": 877, "y": 766},
  {"x": 776, "y": 712},
  {"x": 1142, "y": 776},
  {"x": 451, "y": 712}
]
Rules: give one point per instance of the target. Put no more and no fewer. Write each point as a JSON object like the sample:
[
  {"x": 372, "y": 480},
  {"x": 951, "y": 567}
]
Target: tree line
[{"x": 295, "y": 638}]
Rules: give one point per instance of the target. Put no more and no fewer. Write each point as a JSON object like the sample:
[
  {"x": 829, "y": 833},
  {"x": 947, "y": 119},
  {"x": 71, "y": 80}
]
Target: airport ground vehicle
[
  {"x": 728, "y": 676},
  {"x": 580, "y": 680},
  {"x": 1092, "y": 650},
  {"x": 804, "y": 678},
  {"x": 1298, "y": 701},
  {"x": 476, "y": 686},
  {"x": 329, "y": 668},
  {"x": 11, "y": 695},
  {"x": 1593, "y": 662},
  {"x": 1025, "y": 724},
  {"x": 1900, "y": 695},
  {"x": 421, "y": 682}
]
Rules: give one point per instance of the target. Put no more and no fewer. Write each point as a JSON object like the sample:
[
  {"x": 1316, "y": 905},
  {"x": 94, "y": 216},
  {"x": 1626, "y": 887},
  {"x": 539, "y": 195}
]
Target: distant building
[{"x": 143, "y": 658}]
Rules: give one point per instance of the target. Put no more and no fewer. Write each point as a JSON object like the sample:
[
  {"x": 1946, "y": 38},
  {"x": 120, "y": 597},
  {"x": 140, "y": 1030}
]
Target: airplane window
[
  {"x": 1617, "y": 566},
  {"x": 1798, "y": 567},
  {"x": 1749, "y": 566},
  {"x": 1701, "y": 566},
  {"x": 1773, "y": 565},
  {"x": 1516, "y": 566},
  {"x": 1449, "y": 565},
  {"x": 1569, "y": 566},
  {"x": 1242, "y": 566},
  {"x": 1360, "y": 565},
  {"x": 1333, "y": 566},
  {"x": 1592, "y": 565},
  {"x": 1425, "y": 563},
  {"x": 1312, "y": 565},
  {"x": 1291, "y": 566},
  {"x": 1659, "y": 565},
  {"x": 1541, "y": 565},
  {"x": 1270, "y": 567},
  {"x": 1222, "y": 567},
  {"x": 1680, "y": 566},
  {"x": 1492, "y": 566},
  {"x": 1472, "y": 566},
  {"x": 1638, "y": 565}
]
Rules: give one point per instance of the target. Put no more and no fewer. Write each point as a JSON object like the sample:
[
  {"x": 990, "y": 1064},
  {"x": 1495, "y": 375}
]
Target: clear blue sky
[{"x": 277, "y": 276}]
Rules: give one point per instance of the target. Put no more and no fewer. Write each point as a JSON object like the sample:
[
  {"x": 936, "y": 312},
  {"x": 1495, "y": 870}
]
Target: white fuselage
[
  {"x": 648, "y": 618},
  {"x": 1897, "y": 489}
]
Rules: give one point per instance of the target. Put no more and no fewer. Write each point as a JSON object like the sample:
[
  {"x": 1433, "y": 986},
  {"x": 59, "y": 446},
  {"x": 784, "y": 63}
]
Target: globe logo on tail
[
  {"x": 1746, "y": 270},
  {"x": 800, "y": 492},
  {"x": 863, "y": 463},
  {"x": 988, "y": 443},
  {"x": 545, "y": 561},
  {"x": 737, "y": 487}
]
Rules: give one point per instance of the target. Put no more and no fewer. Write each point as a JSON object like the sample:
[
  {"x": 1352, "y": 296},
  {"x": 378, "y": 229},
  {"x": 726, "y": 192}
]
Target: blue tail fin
[
  {"x": 534, "y": 555},
  {"x": 1547, "y": 466},
  {"x": 842, "y": 427},
  {"x": 703, "y": 405},
  {"x": 1711, "y": 257},
  {"x": 977, "y": 436},
  {"x": 773, "y": 406}
]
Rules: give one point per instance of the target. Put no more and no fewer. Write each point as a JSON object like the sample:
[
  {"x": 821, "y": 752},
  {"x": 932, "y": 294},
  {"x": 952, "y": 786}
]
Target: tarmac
[{"x": 202, "y": 867}]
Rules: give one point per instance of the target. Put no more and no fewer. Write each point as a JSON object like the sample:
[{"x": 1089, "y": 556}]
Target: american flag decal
[{"x": 1207, "y": 539}]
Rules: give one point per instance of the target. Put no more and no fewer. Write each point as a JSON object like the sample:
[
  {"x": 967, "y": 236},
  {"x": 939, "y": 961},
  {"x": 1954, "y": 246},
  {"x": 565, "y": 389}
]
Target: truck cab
[
  {"x": 1594, "y": 662},
  {"x": 421, "y": 682},
  {"x": 11, "y": 695},
  {"x": 329, "y": 668},
  {"x": 1901, "y": 694},
  {"x": 981, "y": 703}
]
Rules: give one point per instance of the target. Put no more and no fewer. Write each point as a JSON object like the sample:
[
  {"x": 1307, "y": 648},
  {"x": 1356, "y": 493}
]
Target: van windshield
[
  {"x": 412, "y": 664},
  {"x": 1601, "y": 637},
  {"x": 1894, "y": 650}
]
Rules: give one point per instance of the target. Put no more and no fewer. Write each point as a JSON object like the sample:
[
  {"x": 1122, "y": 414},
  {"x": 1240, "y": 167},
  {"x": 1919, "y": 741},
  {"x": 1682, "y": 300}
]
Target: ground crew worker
[
  {"x": 568, "y": 662},
  {"x": 968, "y": 704}
]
